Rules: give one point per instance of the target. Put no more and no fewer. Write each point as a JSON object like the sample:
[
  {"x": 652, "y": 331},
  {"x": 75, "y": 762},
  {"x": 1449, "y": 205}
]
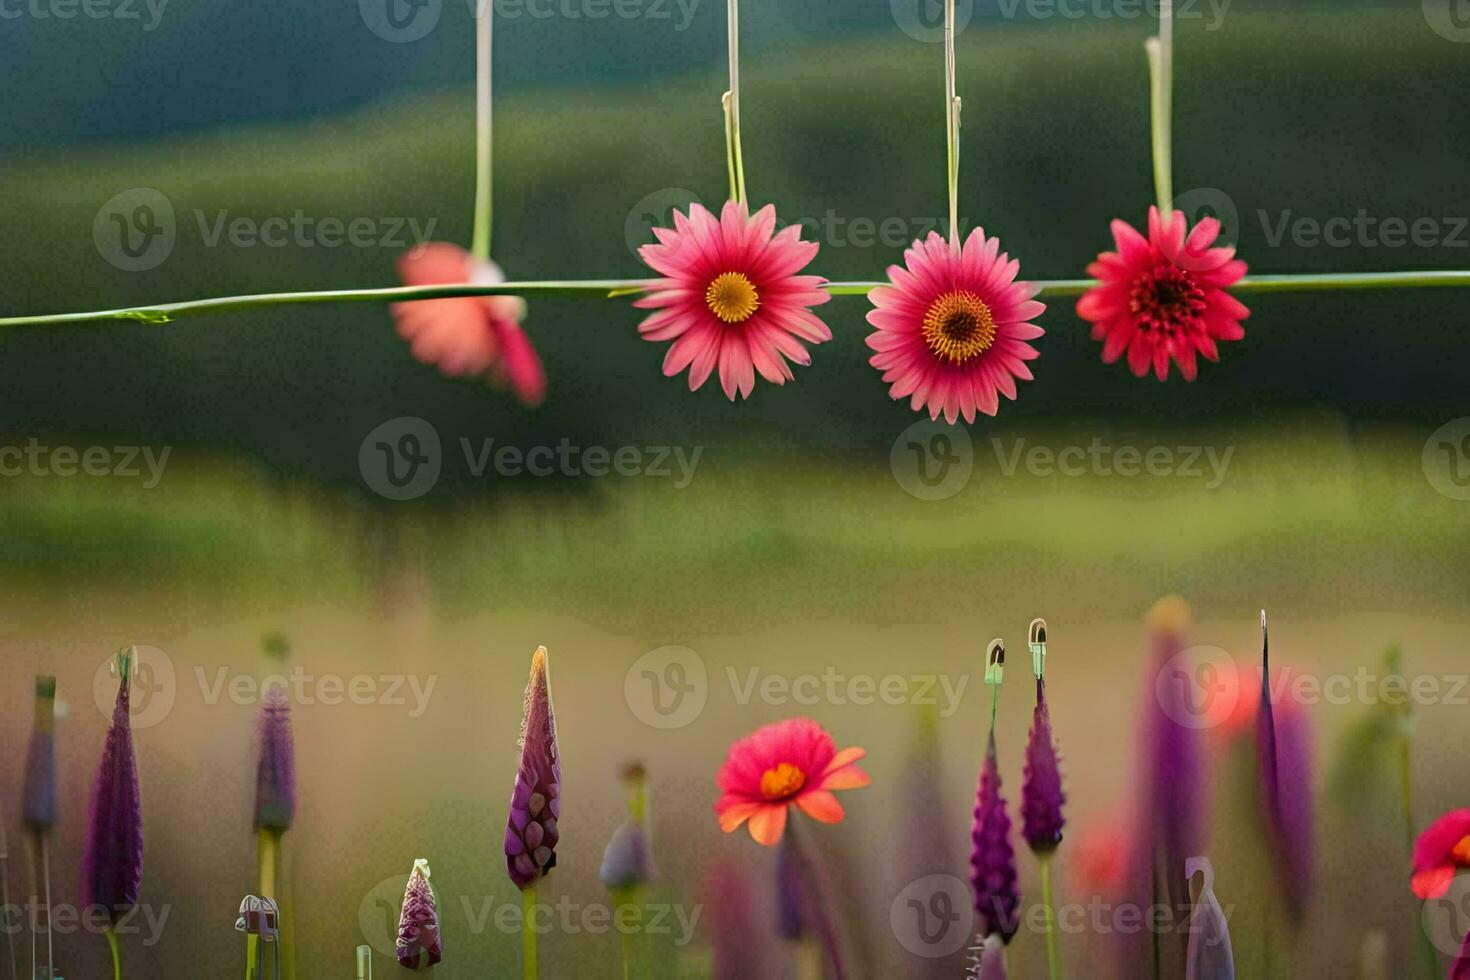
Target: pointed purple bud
[
  {"x": 535, "y": 802},
  {"x": 1041, "y": 791},
  {"x": 993, "y": 860},
  {"x": 1285, "y": 757},
  {"x": 112, "y": 861},
  {"x": 420, "y": 945},
  {"x": 38, "y": 806},
  {"x": 1209, "y": 956},
  {"x": 275, "y": 773}
]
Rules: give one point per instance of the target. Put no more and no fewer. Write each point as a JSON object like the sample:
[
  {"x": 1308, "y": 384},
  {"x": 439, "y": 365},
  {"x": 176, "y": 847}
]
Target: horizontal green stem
[{"x": 606, "y": 288}]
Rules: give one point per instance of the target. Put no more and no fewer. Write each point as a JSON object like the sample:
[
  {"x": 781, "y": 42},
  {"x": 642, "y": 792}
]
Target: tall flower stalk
[
  {"x": 992, "y": 858},
  {"x": 531, "y": 833},
  {"x": 275, "y": 808},
  {"x": 39, "y": 812},
  {"x": 112, "y": 859},
  {"x": 1041, "y": 793}
]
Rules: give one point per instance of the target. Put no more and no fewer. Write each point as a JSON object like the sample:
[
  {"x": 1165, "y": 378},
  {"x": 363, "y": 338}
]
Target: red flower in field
[
  {"x": 467, "y": 335},
  {"x": 791, "y": 762},
  {"x": 1163, "y": 297},
  {"x": 730, "y": 297},
  {"x": 951, "y": 330},
  {"x": 1439, "y": 852}
]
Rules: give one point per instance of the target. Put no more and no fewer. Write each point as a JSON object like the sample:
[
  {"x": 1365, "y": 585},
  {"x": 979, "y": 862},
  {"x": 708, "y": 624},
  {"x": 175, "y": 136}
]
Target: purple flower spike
[
  {"x": 38, "y": 807},
  {"x": 1041, "y": 792},
  {"x": 535, "y": 803},
  {"x": 275, "y": 774},
  {"x": 993, "y": 860},
  {"x": 1285, "y": 755},
  {"x": 420, "y": 945},
  {"x": 112, "y": 863}
]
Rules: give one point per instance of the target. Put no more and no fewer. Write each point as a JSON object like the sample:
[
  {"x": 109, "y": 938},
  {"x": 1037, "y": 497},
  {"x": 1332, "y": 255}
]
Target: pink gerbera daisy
[
  {"x": 1441, "y": 851},
  {"x": 1164, "y": 296},
  {"x": 951, "y": 330},
  {"x": 468, "y": 335},
  {"x": 791, "y": 762},
  {"x": 730, "y": 297}
]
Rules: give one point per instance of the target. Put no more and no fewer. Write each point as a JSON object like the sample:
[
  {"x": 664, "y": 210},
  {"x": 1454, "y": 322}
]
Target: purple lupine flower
[
  {"x": 1285, "y": 755},
  {"x": 993, "y": 860},
  {"x": 1209, "y": 956},
  {"x": 420, "y": 944},
  {"x": 275, "y": 773},
  {"x": 535, "y": 802},
  {"x": 112, "y": 861},
  {"x": 1041, "y": 792},
  {"x": 38, "y": 806}
]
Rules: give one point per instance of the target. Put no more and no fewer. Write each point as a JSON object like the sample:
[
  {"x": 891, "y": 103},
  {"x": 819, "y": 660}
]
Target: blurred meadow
[{"x": 796, "y": 547}]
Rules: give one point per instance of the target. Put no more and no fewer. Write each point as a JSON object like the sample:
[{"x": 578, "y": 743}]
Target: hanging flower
[
  {"x": 275, "y": 773},
  {"x": 993, "y": 859},
  {"x": 793, "y": 762},
  {"x": 112, "y": 859},
  {"x": 1163, "y": 297},
  {"x": 731, "y": 299},
  {"x": 1041, "y": 792},
  {"x": 1439, "y": 852},
  {"x": 419, "y": 941},
  {"x": 467, "y": 335},
  {"x": 535, "y": 804},
  {"x": 951, "y": 331}
]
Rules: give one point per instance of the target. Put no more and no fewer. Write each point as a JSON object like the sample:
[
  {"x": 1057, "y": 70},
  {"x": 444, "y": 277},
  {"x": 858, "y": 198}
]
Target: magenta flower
[
  {"x": 1164, "y": 296},
  {"x": 535, "y": 803},
  {"x": 730, "y": 297},
  {"x": 1041, "y": 792},
  {"x": 468, "y": 335},
  {"x": 993, "y": 860},
  {"x": 38, "y": 800},
  {"x": 275, "y": 773},
  {"x": 1440, "y": 852},
  {"x": 112, "y": 859},
  {"x": 951, "y": 331},
  {"x": 420, "y": 944}
]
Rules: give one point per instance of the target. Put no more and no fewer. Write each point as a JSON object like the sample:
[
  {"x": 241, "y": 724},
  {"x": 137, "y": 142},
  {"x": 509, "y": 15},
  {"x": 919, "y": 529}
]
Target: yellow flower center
[
  {"x": 1461, "y": 853},
  {"x": 732, "y": 297},
  {"x": 959, "y": 326},
  {"x": 783, "y": 781}
]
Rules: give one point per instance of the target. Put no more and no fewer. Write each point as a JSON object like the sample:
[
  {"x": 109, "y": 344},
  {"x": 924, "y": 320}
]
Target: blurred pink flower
[
  {"x": 468, "y": 335},
  {"x": 791, "y": 762},
  {"x": 1441, "y": 851},
  {"x": 951, "y": 330},
  {"x": 1164, "y": 296},
  {"x": 730, "y": 297}
]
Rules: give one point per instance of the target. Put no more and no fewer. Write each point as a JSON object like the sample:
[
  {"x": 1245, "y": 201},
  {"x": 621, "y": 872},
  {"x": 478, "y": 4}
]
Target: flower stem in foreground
[
  {"x": 480, "y": 246},
  {"x": 111, "y": 935},
  {"x": 528, "y": 932},
  {"x": 1161, "y": 105},
  {"x": 821, "y": 900},
  {"x": 1053, "y": 955}
]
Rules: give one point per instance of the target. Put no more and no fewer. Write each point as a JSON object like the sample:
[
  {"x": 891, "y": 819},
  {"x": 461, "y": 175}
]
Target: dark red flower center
[{"x": 1166, "y": 300}]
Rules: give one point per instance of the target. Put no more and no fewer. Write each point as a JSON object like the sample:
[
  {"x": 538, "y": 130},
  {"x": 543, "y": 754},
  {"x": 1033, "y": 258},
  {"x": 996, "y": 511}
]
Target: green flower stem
[
  {"x": 1161, "y": 105},
  {"x": 616, "y": 288},
  {"x": 528, "y": 932},
  {"x": 111, "y": 935},
  {"x": 733, "y": 152},
  {"x": 951, "y": 124},
  {"x": 1053, "y": 956},
  {"x": 480, "y": 244}
]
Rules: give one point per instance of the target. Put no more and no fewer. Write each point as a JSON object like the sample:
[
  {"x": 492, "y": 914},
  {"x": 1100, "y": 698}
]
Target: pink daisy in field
[
  {"x": 952, "y": 328},
  {"x": 730, "y": 297},
  {"x": 467, "y": 335},
  {"x": 1163, "y": 297},
  {"x": 793, "y": 762}
]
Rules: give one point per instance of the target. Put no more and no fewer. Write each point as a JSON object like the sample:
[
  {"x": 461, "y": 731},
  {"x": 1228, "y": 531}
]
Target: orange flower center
[
  {"x": 959, "y": 326},
  {"x": 783, "y": 781},
  {"x": 1461, "y": 853},
  {"x": 732, "y": 297}
]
